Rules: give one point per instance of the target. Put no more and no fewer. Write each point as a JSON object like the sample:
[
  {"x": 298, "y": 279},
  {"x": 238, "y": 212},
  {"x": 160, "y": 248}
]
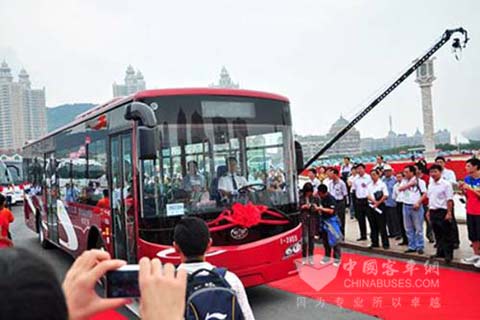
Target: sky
[{"x": 327, "y": 57}]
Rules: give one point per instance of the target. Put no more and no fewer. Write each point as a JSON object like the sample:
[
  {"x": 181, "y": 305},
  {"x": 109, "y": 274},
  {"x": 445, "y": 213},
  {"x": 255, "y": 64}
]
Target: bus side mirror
[
  {"x": 299, "y": 156},
  {"x": 139, "y": 111},
  {"x": 147, "y": 143}
]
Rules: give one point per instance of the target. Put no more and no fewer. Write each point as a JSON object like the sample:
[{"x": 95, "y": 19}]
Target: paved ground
[{"x": 267, "y": 303}]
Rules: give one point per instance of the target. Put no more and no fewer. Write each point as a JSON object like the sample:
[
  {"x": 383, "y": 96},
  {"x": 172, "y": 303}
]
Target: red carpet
[
  {"x": 108, "y": 315},
  {"x": 388, "y": 289}
]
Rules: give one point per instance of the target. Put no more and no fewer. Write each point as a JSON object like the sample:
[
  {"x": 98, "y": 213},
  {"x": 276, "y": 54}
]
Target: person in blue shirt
[
  {"x": 71, "y": 193},
  {"x": 393, "y": 225}
]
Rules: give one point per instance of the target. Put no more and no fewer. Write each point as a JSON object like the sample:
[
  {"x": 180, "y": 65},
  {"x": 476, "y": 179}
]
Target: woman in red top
[
  {"x": 7, "y": 214},
  {"x": 4, "y": 241}
]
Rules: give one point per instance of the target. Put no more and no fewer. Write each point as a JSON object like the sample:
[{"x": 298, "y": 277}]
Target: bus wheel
[{"x": 41, "y": 236}]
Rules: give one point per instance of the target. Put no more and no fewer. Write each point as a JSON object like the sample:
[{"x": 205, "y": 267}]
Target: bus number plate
[{"x": 288, "y": 240}]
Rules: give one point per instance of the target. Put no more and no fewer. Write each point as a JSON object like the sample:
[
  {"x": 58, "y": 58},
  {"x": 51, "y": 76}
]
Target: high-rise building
[
  {"x": 134, "y": 82},
  {"x": 23, "y": 113},
  {"x": 225, "y": 81}
]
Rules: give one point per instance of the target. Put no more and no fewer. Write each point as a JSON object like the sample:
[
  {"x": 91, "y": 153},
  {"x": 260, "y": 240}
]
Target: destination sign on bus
[{"x": 228, "y": 109}]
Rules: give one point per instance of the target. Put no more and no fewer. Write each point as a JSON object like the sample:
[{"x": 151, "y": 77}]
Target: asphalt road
[{"x": 266, "y": 302}]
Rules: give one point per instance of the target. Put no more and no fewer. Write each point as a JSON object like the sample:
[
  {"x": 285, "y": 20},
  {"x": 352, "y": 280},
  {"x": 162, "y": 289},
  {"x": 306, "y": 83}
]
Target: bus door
[
  {"x": 52, "y": 192},
  {"x": 123, "y": 211}
]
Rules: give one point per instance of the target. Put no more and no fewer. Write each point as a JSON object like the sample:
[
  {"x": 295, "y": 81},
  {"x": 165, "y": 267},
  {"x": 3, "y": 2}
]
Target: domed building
[{"x": 349, "y": 144}]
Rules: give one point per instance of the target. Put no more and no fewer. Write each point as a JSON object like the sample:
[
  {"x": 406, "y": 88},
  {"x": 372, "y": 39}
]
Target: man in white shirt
[
  {"x": 351, "y": 178},
  {"x": 191, "y": 241},
  {"x": 229, "y": 184},
  {"x": 413, "y": 214},
  {"x": 439, "y": 214},
  {"x": 449, "y": 175},
  {"x": 312, "y": 178},
  {"x": 380, "y": 163},
  {"x": 376, "y": 214},
  {"x": 360, "y": 184},
  {"x": 346, "y": 169},
  {"x": 398, "y": 197},
  {"x": 338, "y": 189}
]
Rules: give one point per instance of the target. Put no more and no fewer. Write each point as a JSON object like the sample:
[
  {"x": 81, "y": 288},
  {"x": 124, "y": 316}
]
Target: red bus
[{"x": 122, "y": 174}]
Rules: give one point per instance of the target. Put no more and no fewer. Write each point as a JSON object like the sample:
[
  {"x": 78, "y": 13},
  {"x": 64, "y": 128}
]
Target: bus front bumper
[{"x": 255, "y": 263}]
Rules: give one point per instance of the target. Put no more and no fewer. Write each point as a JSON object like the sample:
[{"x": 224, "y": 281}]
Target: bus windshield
[{"x": 215, "y": 151}]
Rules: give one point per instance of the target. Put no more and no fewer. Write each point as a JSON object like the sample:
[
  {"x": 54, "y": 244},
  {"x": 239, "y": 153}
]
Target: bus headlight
[{"x": 293, "y": 249}]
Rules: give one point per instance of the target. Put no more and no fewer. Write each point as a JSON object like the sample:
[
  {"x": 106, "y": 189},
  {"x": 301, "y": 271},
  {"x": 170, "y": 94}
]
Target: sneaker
[
  {"x": 420, "y": 251},
  {"x": 477, "y": 264},
  {"x": 410, "y": 251},
  {"x": 325, "y": 260},
  {"x": 471, "y": 260},
  {"x": 304, "y": 261},
  {"x": 310, "y": 261},
  {"x": 336, "y": 263}
]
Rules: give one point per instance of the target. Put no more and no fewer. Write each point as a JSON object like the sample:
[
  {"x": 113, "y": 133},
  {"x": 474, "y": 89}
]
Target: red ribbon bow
[{"x": 245, "y": 216}]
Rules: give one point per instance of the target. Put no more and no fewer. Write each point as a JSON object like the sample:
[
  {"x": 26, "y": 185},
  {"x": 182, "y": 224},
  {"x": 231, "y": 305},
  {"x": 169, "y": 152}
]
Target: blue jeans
[{"x": 413, "y": 221}]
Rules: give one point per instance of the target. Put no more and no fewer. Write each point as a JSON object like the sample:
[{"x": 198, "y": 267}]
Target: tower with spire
[
  {"x": 225, "y": 81},
  {"x": 23, "y": 113},
  {"x": 133, "y": 82}
]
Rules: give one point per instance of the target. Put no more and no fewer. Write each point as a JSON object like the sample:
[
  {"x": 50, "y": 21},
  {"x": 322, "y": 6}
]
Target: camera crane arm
[{"x": 457, "y": 44}]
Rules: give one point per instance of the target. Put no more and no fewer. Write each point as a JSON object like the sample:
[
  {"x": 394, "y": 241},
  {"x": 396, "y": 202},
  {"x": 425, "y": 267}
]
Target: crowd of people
[{"x": 409, "y": 206}]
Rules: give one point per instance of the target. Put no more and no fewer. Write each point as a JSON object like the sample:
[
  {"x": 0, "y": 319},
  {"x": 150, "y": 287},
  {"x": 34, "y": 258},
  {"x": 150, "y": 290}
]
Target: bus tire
[{"x": 41, "y": 236}]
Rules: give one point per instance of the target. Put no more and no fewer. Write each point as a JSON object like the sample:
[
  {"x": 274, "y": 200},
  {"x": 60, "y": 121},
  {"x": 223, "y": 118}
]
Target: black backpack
[{"x": 210, "y": 297}]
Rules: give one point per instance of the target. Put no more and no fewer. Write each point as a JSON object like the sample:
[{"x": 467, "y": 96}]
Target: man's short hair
[
  {"x": 322, "y": 189},
  {"x": 360, "y": 165},
  {"x": 312, "y": 170},
  {"x": 412, "y": 169},
  {"x": 232, "y": 159},
  {"x": 334, "y": 170},
  {"x": 347, "y": 158},
  {"x": 105, "y": 193},
  {"x": 30, "y": 289},
  {"x": 440, "y": 158},
  {"x": 380, "y": 156},
  {"x": 435, "y": 167},
  {"x": 195, "y": 163},
  {"x": 192, "y": 236},
  {"x": 474, "y": 162}
]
